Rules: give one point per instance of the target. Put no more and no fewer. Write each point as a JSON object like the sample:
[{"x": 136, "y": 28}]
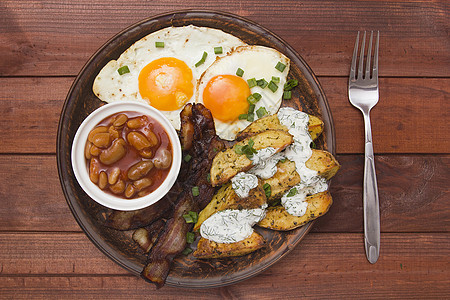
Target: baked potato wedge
[
  {"x": 226, "y": 198},
  {"x": 315, "y": 126},
  {"x": 324, "y": 163},
  {"x": 286, "y": 176},
  {"x": 209, "y": 249},
  {"x": 278, "y": 219},
  {"x": 228, "y": 163}
]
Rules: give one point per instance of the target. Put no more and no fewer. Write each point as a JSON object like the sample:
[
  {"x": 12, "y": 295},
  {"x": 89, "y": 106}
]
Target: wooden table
[{"x": 44, "y": 253}]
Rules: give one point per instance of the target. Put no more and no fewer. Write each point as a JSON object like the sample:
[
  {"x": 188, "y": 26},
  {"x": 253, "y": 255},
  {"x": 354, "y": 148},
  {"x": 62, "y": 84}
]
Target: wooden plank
[
  {"x": 41, "y": 265},
  {"x": 409, "y": 117},
  {"x": 57, "y": 38},
  {"x": 413, "y": 195}
]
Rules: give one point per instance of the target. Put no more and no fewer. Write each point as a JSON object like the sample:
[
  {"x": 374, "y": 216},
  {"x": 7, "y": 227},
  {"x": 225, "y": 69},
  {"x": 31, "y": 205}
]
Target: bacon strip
[{"x": 199, "y": 140}]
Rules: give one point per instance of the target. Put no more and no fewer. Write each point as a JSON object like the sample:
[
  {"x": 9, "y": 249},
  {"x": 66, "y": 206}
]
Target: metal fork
[{"x": 363, "y": 94}]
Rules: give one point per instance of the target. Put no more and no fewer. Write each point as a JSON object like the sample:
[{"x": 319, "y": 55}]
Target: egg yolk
[
  {"x": 226, "y": 97},
  {"x": 166, "y": 83}
]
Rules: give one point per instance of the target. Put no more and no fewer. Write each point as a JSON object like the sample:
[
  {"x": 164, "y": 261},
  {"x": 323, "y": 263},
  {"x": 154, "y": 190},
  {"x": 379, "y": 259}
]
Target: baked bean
[
  {"x": 113, "y": 132},
  {"x": 119, "y": 120},
  {"x": 163, "y": 160},
  {"x": 137, "y": 122},
  {"x": 129, "y": 191},
  {"x": 102, "y": 180},
  {"x": 142, "y": 183},
  {"x": 114, "y": 175},
  {"x": 94, "y": 170},
  {"x": 87, "y": 150},
  {"x": 143, "y": 193},
  {"x": 102, "y": 140},
  {"x": 140, "y": 169},
  {"x": 114, "y": 153},
  {"x": 118, "y": 187},
  {"x": 96, "y": 130},
  {"x": 152, "y": 138},
  {"x": 95, "y": 151},
  {"x": 146, "y": 153},
  {"x": 138, "y": 140}
]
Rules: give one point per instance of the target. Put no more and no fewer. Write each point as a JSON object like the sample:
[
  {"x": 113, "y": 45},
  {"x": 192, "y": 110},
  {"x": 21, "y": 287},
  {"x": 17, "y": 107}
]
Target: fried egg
[
  {"x": 162, "y": 69},
  {"x": 249, "y": 71}
]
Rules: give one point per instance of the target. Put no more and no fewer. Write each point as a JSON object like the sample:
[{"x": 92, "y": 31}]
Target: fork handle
[{"x": 370, "y": 198}]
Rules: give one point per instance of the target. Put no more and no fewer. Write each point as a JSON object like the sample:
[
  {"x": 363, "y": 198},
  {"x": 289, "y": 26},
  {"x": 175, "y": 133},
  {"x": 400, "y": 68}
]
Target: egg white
[
  {"x": 184, "y": 43},
  {"x": 257, "y": 62}
]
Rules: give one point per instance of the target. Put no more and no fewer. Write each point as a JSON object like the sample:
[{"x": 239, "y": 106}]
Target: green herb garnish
[
  {"x": 262, "y": 83},
  {"x": 280, "y": 66},
  {"x": 190, "y": 237},
  {"x": 273, "y": 86},
  {"x": 159, "y": 44},
  {"x": 218, "y": 50},
  {"x": 123, "y": 70},
  {"x": 292, "y": 192},
  {"x": 191, "y": 217},
  {"x": 248, "y": 149},
  {"x": 251, "y": 82},
  {"x": 287, "y": 95},
  {"x": 187, "y": 158},
  {"x": 195, "y": 191},
  {"x": 202, "y": 60},
  {"x": 267, "y": 189},
  {"x": 261, "y": 112},
  {"x": 290, "y": 84},
  {"x": 239, "y": 72},
  {"x": 187, "y": 251}
]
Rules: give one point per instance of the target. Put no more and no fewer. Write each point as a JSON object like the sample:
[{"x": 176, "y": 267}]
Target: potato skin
[
  {"x": 315, "y": 126},
  {"x": 208, "y": 249},
  {"x": 324, "y": 163},
  {"x": 228, "y": 163},
  {"x": 277, "y": 218}
]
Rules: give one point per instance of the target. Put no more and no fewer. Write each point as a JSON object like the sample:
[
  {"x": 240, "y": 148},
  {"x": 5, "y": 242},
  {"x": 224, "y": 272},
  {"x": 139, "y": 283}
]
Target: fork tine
[
  {"x": 375, "y": 58},
  {"x": 355, "y": 55},
  {"x": 361, "y": 57},
  {"x": 369, "y": 57}
]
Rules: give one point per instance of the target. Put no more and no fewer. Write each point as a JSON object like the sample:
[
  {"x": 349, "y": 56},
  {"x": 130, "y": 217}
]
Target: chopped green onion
[
  {"x": 187, "y": 158},
  {"x": 190, "y": 237},
  {"x": 292, "y": 192},
  {"x": 290, "y": 84},
  {"x": 282, "y": 160},
  {"x": 188, "y": 218},
  {"x": 313, "y": 145},
  {"x": 208, "y": 177},
  {"x": 239, "y": 72},
  {"x": 287, "y": 95},
  {"x": 218, "y": 50},
  {"x": 276, "y": 79},
  {"x": 191, "y": 217},
  {"x": 280, "y": 66},
  {"x": 243, "y": 117},
  {"x": 248, "y": 149},
  {"x": 159, "y": 44},
  {"x": 257, "y": 96},
  {"x": 267, "y": 189},
  {"x": 262, "y": 83},
  {"x": 195, "y": 191},
  {"x": 187, "y": 251},
  {"x": 202, "y": 60},
  {"x": 251, "y": 82},
  {"x": 261, "y": 112},
  {"x": 123, "y": 70},
  {"x": 250, "y": 117},
  {"x": 273, "y": 86},
  {"x": 251, "y": 108}
]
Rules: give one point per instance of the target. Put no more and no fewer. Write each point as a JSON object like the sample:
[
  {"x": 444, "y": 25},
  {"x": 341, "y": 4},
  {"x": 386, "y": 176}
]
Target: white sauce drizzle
[
  {"x": 299, "y": 152},
  {"x": 231, "y": 225},
  {"x": 265, "y": 162},
  {"x": 242, "y": 183}
]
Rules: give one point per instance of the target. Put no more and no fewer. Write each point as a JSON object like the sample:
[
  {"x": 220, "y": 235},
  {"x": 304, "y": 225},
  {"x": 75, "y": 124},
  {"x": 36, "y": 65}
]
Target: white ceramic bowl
[{"x": 81, "y": 168}]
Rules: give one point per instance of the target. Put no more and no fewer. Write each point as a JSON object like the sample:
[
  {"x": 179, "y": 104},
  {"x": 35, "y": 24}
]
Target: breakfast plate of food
[{"x": 249, "y": 166}]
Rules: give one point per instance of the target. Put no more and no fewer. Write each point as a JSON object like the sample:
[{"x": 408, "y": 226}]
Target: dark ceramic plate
[{"x": 186, "y": 271}]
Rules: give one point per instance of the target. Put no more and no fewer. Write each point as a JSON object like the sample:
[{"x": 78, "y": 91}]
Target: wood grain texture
[
  {"x": 42, "y": 38},
  {"x": 409, "y": 117},
  {"x": 409, "y": 186},
  {"x": 38, "y": 265}
]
